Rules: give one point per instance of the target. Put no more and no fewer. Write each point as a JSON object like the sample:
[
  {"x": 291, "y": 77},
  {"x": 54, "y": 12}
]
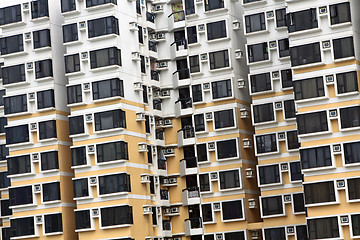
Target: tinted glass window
[
  {"x": 13, "y": 74},
  {"x": 309, "y": 88},
  {"x": 108, "y": 88},
  {"x": 229, "y": 179},
  {"x": 45, "y": 99},
  {"x": 116, "y": 216},
  {"x": 17, "y": 134},
  {"x": 81, "y": 187},
  {"x": 53, "y": 223},
  {"x": 263, "y": 113},
  {"x": 292, "y": 140},
  {"x": 49, "y": 160},
  {"x": 286, "y": 78},
  {"x": 275, "y": 233},
  {"x": 78, "y": 156},
  {"x": 319, "y": 192},
  {"x": 43, "y": 68},
  {"x": 305, "y": 54},
  {"x": 226, "y": 149},
  {"x": 213, "y": 4},
  {"x": 12, "y": 44},
  {"x": 289, "y": 107},
  {"x": 224, "y": 119},
  {"x": 39, "y": 9},
  {"x": 312, "y": 122},
  {"x": 353, "y": 188},
  {"x": 258, "y": 52},
  {"x": 219, "y": 59},
  {"x": 347, "y": 82},
  {"x": 42, "y": 38},
  {"x": 22, "y": 227},
  {"x": 15, "y": 104},
  {"x": 284, "y": 48},
  {"x": 315, "y": 157},
  {"x": 103, "y": 26},
  {"x": 191, "y": 34},
  {"x": 76, "y": 125},
  {"x": 221, "y": 89},
  {"x": 343, "y": 47},
  {"x": 72, "y": 63},
  {"x": 266, "y": 143},
  {"x": 82, "y": 219},
  {"x": 21, "y": 195},
  {"x": 68, "y": 5},
  {"x": 19, "y": 165},
  {"x": 260, "y": 82},
  {"x": 10, "y": 14},
  {"x": 47, "y": 129},
  {"x": 280, "y": 17},
  {"x": 322, "y": 228},
  {"x": 295, "y": 171},
  {"x": 112, "y": 151},
  {"x": 110, "y": 119},
  {"x": 232, "y": 210},
  {"x": 269, "y": 174},
  {"x": 272, "y": 205},
  {"x": 114, "y": 183},
  {"x": 105, "y": 57},
  {"x": 255, "y": 22},
  {"x": 340, "y": 13},
  {"x": 51, "y": 191},
  {"x": 196, "y": 93},
  {"x": 216, "y": 30},
  {"x": 74, "y": 94},
  {"x": 90, "y": 3},
  {"x": 350, "y": 117},
  {"x": 70, "y": 33},
  {"x": 302, "y": 20}
]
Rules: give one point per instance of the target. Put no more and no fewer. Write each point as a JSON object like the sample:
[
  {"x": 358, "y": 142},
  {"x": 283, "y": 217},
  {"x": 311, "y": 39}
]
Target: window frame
[
  {"x": 212, "y": 213},
  {"x": 210, "y": 183},
  {"x": 226, "y": 57},
  {"x": 310, "y": 64},
  {"x": 127, "y": 175},
  {"x": 251, "y": 32},
  {"x": 36, "y": 231},
  {"x": 331, "y": 216},
  {"x": 347, "y": 93},
  {"x": 88, "y": 162},
  {"x": 234, "y": 120},
  {"x": 285, "y": 232},
  {"x": 310, "y": 169},
  {"x": 85, "y": 132},
  {"x": 328, "y": 123},
  {"x": 241, "y": 184},
  {"x": 107, "y": 162},
  {"x": 274, "y": 215},
  {"x": 222, "y": 30},
  {"x": 248, "y": 55},
  {"x": 34, "y": 199},
  {"x": 293, "y": 204},
  {"x": 92, "y": 224},
  {"x": 263, "y": 122},
  {"x": 339, "y": 119},
  {"x": 122, "y": 120},
  {"x": 242, "y": 210},
  {"x": 42, "y": 193},
  {"x": 44, "y": 226},
  {"x": 340, "y": 59},
  {"x": 238, "y": 152},
  {"x": 269, "y": 184},
  {"x": 90, "y": 191},
  {"x": 266, "y": 153},
  {"x": 115, "y": 226},
  {"x": 252, "y": 86},
  {"x": 75, "y": 86},
  {"x": 32, "y": 168},
  {"x": 49, "y": 170},
  {"x": 222, "y": 98},
  {"x": 336, "y": 194},
  {"x": 54, "y": 124},
  {"x": 348, "y": 192}
]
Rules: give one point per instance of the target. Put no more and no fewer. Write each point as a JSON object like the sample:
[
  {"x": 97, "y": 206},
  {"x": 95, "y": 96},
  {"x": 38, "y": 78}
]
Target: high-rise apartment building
[{"x": 179, "y": 120}]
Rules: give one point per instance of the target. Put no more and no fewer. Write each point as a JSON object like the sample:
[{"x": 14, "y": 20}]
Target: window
[
  {"x": 39, "y": 9},
  {"x": 142, "y": 64},
  {"x": 340, "y": 13},
  {"x": 3, "y": 123},
  {"x": 255, "y": 22},
  {"x": 10, "y": 14},
  {"x": 350, "y": 117},
  {"x": 147, "y": 124},
  {"x": 19, "y": 165},
  {"x": 315, "y": 157},
  {"x": 140, "y": 35},
  {"x": 68, "y": 5},
  {"x": 4, "y": 180},
  {"x": 224, "y": 119},
  {"x": 355, "y": 223},
  {"x": 70, "y": 33},
  {"x": 272, "y": 206},
  {"x": 309, "y": 88},
  {"x": 347, "y": 82},
  {"x": 258, "y": 52},
  {"x": 149, "y": 154},
  {"x": 53, "y": 223},
  {"x": 191, "y": 35},
  {"x": 302, "y": 20},
  {"x": 2, "y": 94},
  {"x": 213, "y": 4},
  {"x": 196, "y": 93},
  {"x": 201, "y": 152},
  {"x": 209, "y": 237},
  {"x": 42, "y": 38},
  {"x": 260, "y": 82},
  {"x": 207, "y": 213},
  {"x": 301, "y": 232},
  {"x": 81, "y": 187},
  {"x": 72, "y": 63},
  {"x": 298, "y": 203},
  {"x": 108, "y": 88},
  {"x": 226, "y": 149},
  {"x": 5, "y": 210},
  {"x": 49, "y": 160},
  {"x": 12, "y": 44},
  {"x": 4, "y": 152},
  {"x": 22, "y": 227},
  {"x": 263, "y": 113},
  {"x": 234, "y": 235},
  {"x": 76, "y": 125},
  {"x": 199, "y": 122},
  {"x": 320, "y": 192},
  {"x": 47, "y": 129},
  {"x": 312, "y": 122},
  {"x": 21, "y": 195},
  {"x": 15, "y": 104},
  {"x": 43, "y": 68},
  {"x": 189, "y": 7},
  {"x": 343, "y": 47},
  {"x": 18, "y": 134},
  {"x": 352, "y": 152},
  {"x": 45, "y": 99},
  {"x": 110, "y": 119},
  {"x": 194, "y": 64},
  {"x": 221, "y": 89},
  {"x": 74, "y": 94},
  {"x": 280, "y": 17},
  {"x": 229, "y": 179},
  {"x": 113, "y": 151},
  {"x": 145, "y": 96},
  {"x": 154, "y": 216},
  {"x": 305, "y": 54},
  {"x": 275, "y": 233},
  {"x": 111, "y": 216},
  {"x": 103, "y": 26},
  {"x": 292, "y": 140},
  {"x": 91, "y": 3},
  {"x": 295, "y": 172},
  {"x": 284, "y": 48},
  {"x": 232, "y": 210},
  {"x": 353, "y": 186},
  {"x": 105, "y": 57},
  {"x": 51, "y": 191},
  {"x": 204, "y": 182},
  {"x": 114, "y": 183},
  {"x": 289, "y": 107},
  {"x": 219, "y": 59},
  {"x": 286, "y": 78},
  {"x": 82, "y": 219},
  {"x": 269, "y": 174},
  {"x": 216, "y": 30},
  {"x": 6, "y": 233},
  {"x": 321, "y": 228}
]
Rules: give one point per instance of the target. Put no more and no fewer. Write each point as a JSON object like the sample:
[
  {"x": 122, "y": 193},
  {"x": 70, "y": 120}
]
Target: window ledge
[
  {"x": 74, "y": 74},
  {"x": 267, "y": 153},
  {"x": 348, "y": 129},
  {"x": 111, "y": 162},
  {"x": 231, "y": 189},
  {"x": 44, "y": 79},
  {"x": 21, "y": 175},
  {"x": 201, "y": 132},
  {"x": 101, "y": 6},
  {"x": 193, "y": 15},
  {"x": 53, "y": 233},
  {"x": 51, "y": 202},
  {"x": 270, "y": 184},
  {"x": 204, "y": 162},
  {"x": 78, "y": 135},
  {"x": 225, "y": 128},
  {"x": 24, "y": 237},
  {"x": 73, "y": 12},
  {"x": 312, "y": 99},
  {"x": 14, "y": 24},
  {"x": 292, "y": 150},
  {"x": 220, "y": 69},
  {"x": 47, "y": 140},
  {"x": 227, "y": 159},
  {"x": 205, "y": 193},
  {"x": 290, "y": 119},
  {"x": 76, "y": 104},
  {"x": 309, "y": 170},
  {"x": 16, "y": 84},
  {"x": 344, "y": 59},
  {"x": 194, "y": 45},
  {"x": 81, "y": 166},
  {"x": 99, "y": 38},
  {"x": 206, "y": 223},
  {"x": 116, "y": 226},
  {"x": 253, "y": 3},
  {"x": 340, "y": 25},
  {"x": 262, "y": 92},
  {"x": 264, "y": 123},
  {"x": 46, "y": 109},
  {"x": 321, "y": 204},
  {"x": 259, "y": 62},
  {"x": 222, "y": 98},
  {"x": 84, "y": 230},
  {"x": 49, "y": 171},
  {"x": 19, "y": 144},
  {"x": 120, "y": 129},
  {"x": 314, "y": 133},
  {"x": 196, "y": 74},
  {"x": 14, "y": 54},
  {"x": 113, "y": 194},
  {"x": 99, "y": 69},
  {"x": 286, "y": 58},
  {"x": 272, "y": 216},
  {"x": 82, "y": 198},
  {"x": 23, "y": 206},
  {"x": 218, "y": 10},
  {"x": 16, "y": 114},
  {"x": 40, "y": 19},
  {"x": 308, "y": 65},
  {"x": 107, "y": 99},
  {"x": 257, "y": 32},
  {"x": 234, "y": 220},
  {"x": 42, "y": 49},
  {"x": 72, "y": 43},
  {"x": 318, "y": 29},
  {"x": 347, "y": 94}
]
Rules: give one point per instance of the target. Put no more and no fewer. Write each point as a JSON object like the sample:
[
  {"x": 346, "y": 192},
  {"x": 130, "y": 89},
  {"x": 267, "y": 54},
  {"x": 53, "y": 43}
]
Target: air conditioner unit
[
  {"x": 333, "y": 113},
  {"x": 329, "y": 78},
  {"x": 272, "y": 44},
  {"x": 344, "y": 219},
  {"x": 214, "y": 175},
  {"x": 31, "y": 96},
  {"x": 278, "y": 105},
  {"x": 82, "y": 26},
  {"x": 165, "y": 181},
  {"x": 142, "y": 147},
  {"x": 138, "y": 86},
  {"x": 33, "y": 126},
  {"x": 198, "y": 1},
  {"x": 84, "y": 55},
  {"x": 219, "y": 236},
  {"x": 156, "y": 93},
  {"x": 159, "y": 123},
  {"x": 165, "y": 93},
  {"x": 252, "y": 203},
  {"x": 26, "y": 6},
  {"x": 27, "y": 36},
  {"x": 152, "y": 36},
  {"x": 168, "y": 151},
  {"x": 206, "y": 86},
  {"x": 287, "y": 198},
  {"x": 86, "y": 87},
  {"x": 35, "y": 157},
  {"x": 336, "y": 148},
  {"x": 140, "y": 116},
  {"x": 276, "y": 74},
  {"x": 244, "y": 113},
  {"x": 236, "y": 25},
  {"x": 340, "y": 183},
  {"x": 322, "y": 10},
  {"x": 95, "y": 212},
  {"x": 135, "y": 56},
  {"x": 208, "y": 115},
  {"x": 326, "y": 44},
  {"x": 284, "y": 167},
  {"x": 177, "y": 238},
  {"x": 88, "y": 118},
  {"x": 91, "y": 149},
  {"x": 167, "y": 122},
  {"x": 93, "y": 181},
  {"x": 216, "y": 206},
  {"x": 172, "y": 180},
  {"x": 160, "y": 36},
  {"x": 290, "y": 230},
  {"x": 201, "y": 27},
  {"x": 281, "y": 136},
  {"x": 211, "y": 146},
  {"x": 29, "y": 66},
  {"x": 145, "y": 178},
  {"x": 239, "y": 54},
  {"x": 246, "y": 143},
  {"x": 133, "y": 26},
  {"x": 270, "y": 14},
  {"x": 241, "y": 83},
  {"x": 167, "y": 210},
  {"x": 38, "y": 219},
  {"x": 147, "y": 210},
  {"x": 37, "y": 188},
  {"x": 255, "y": 234},
  {"x": 162, "y": 64},
  {"x": 158, "y": 8},
  {"x": 249, "y": 173},
  {"x": 175, "y": 210},
  {"x": 203, "y": 57}
]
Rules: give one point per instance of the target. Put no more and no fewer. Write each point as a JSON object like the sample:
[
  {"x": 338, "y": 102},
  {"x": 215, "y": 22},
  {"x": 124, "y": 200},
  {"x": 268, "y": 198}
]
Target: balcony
[
  {"x": 183, "y": 107},
  {"x": 186, "y": 136},
  {"x": 179, "y": 49},
  {"x": 159, "y": 137},
  {"x": 191, "y": 196},
  {"x": 150, "y": 18},
  {"x": 166, "y": 225},
  {"x": 188, "y": 166},
  {"x": 155, "y": 75},
  {"x": 193, "y": 226},
  {"x": 164, "y": 198},
  {"x": 176, "y": 20},
  {"x": 153, "y": 49},
  {"x": 181, "y": 78},
  {"x": 157, "y": 107}
]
